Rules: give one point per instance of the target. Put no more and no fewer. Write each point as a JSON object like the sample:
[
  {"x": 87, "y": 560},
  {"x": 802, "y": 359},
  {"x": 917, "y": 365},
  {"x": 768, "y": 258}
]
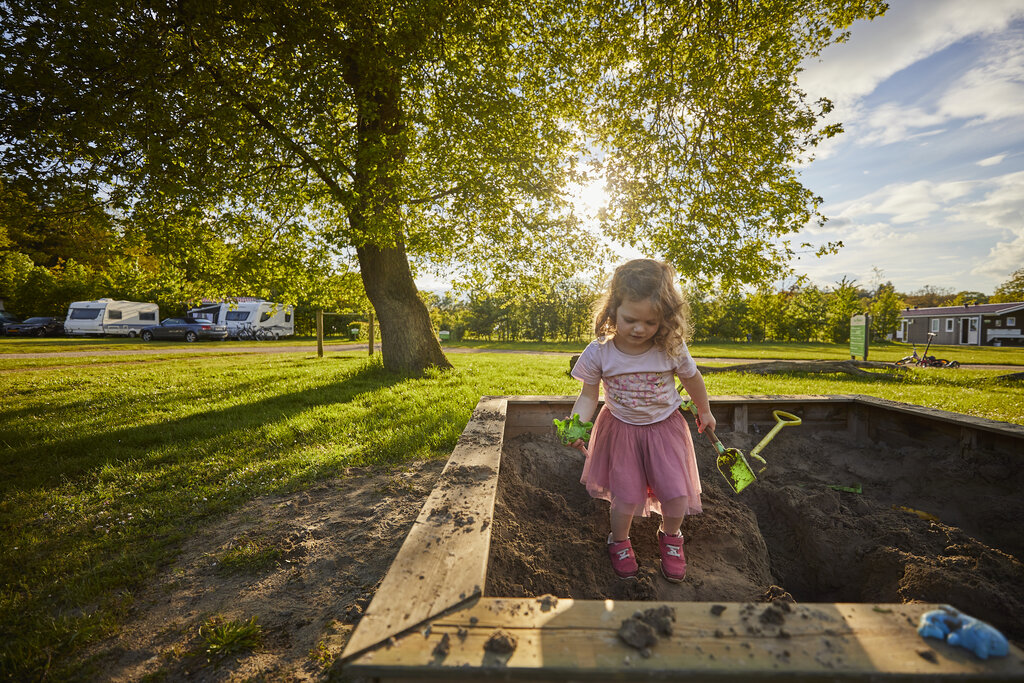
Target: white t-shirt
[{"x": 637, "y": 389}]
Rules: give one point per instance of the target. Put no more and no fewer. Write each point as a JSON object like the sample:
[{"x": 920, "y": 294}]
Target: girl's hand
[
  {"x": 580, "y": 445},
  {"x": 705, "y": 420}
]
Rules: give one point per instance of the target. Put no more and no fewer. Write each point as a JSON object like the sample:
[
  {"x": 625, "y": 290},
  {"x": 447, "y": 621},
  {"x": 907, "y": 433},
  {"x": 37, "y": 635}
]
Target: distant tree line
[
  {"x": 177, "y": 266},
  {"x": 803, "y": 312}
]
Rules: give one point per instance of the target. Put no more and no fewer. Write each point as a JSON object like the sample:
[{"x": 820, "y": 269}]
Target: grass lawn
[
  {"x": 106, "y": 469},
  {"x": 987, "y": 355}
]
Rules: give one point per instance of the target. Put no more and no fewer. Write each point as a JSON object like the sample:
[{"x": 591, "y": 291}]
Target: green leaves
[
  {"x": 703, "y": 123},
  {"x": 447, "y": 130}
]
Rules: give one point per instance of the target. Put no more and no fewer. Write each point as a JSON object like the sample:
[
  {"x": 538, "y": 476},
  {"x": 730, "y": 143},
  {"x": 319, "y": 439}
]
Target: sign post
[{"x": 859, "y": 335}]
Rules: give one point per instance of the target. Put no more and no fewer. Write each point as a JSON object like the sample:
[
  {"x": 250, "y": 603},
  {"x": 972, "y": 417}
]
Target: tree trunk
[
  {"x": 408, "y": 341},
  {"x": 407, "y": 338}
]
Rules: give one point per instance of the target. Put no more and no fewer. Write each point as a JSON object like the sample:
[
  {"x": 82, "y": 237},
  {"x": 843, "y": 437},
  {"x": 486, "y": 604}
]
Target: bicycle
[
  {"x": 245, "y": 332},
  {"x": 924, "y": 360},
  {"x": 265, "y": 334}
]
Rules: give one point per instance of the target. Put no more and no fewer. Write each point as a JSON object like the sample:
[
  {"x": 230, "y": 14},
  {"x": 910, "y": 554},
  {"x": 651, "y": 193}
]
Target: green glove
[{"x": 570, "y": 430}]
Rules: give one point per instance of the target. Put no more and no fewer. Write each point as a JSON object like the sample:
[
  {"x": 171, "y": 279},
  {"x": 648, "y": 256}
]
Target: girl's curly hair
[{"x": 647, "y": 279}]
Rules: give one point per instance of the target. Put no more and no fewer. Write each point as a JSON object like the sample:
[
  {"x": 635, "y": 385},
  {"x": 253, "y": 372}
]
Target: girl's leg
[
  {"x": 620, "y": 522},
  {"x": 621, "y": 519},
  {"x": 620, "y": 550},
  {"x": 672, "y": 515}
]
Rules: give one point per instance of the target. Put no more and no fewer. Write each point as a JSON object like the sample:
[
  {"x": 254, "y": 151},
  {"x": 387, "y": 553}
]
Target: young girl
[{"x": 641, "y": 456}]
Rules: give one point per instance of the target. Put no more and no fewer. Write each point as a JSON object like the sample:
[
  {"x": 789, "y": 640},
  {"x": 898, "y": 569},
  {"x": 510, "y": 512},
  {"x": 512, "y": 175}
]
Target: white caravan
[
  {"x": 278, "y": 319},
  {"x": 107, "y": 316}
]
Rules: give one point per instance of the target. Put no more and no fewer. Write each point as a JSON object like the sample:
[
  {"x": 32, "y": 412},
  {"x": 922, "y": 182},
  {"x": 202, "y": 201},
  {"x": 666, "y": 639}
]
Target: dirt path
[{"x": 333, "y": 543}]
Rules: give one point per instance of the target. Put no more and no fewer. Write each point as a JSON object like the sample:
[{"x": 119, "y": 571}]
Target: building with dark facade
[{"x": 971, "y": 324}]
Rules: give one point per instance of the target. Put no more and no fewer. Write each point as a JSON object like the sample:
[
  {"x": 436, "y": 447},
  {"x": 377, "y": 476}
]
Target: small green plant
[
  {"x": 322, "y": 655},
  {"x": 249, "y": 555},
  {"x": 223, "y": 638}
]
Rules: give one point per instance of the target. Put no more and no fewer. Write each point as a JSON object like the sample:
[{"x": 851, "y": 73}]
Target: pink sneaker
[
  {"x": 623, "y": 559},
  {"x": 673, "y": 561}
]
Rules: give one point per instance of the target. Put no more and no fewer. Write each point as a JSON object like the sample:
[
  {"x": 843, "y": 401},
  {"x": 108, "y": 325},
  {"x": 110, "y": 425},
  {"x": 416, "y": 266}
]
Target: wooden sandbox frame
[{"x": 430, "y": 621}]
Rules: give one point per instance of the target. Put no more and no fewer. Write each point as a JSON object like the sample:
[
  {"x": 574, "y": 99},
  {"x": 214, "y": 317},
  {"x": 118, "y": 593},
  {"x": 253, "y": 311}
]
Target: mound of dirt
[{"x": 927, "y": 527}]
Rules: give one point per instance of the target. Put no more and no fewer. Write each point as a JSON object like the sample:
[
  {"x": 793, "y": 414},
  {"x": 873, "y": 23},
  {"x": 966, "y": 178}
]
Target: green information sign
[{"x": 859, "y": 336}]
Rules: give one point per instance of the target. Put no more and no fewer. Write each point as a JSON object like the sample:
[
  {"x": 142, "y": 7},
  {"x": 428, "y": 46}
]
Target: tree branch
[
  {"x": 340, "y": 193},
  {"x": 439, "y": 195}
]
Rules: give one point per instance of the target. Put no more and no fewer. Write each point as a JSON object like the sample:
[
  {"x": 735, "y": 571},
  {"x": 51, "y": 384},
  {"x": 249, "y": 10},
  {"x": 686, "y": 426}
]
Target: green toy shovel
[
  {"x": 731, "y": 462},
  {"x": 572, "y": 429}
]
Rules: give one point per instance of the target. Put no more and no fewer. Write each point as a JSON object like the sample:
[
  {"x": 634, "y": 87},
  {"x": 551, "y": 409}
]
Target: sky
[{"x": 926, "y": 185}]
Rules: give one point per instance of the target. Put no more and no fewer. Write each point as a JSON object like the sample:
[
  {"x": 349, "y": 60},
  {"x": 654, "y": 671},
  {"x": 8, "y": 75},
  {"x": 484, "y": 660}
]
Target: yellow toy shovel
[
  {"x": 731, "y": 461},
  {"x": 782, "y": 419}
]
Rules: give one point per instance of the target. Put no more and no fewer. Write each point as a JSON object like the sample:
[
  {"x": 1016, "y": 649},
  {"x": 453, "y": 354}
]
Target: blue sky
[{"x": 927, "y": 182}]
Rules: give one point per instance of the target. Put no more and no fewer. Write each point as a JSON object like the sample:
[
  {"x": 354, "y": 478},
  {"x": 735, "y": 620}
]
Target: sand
[{"x": 788, "y": 536}]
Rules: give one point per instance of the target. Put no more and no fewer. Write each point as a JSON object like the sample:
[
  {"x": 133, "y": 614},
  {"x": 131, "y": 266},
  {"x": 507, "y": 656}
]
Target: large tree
[{"x": 430, "y": 132}]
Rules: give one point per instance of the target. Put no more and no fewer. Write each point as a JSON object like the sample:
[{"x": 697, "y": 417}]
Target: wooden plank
[
  {"x": 739, "y": 419},
  {"x": 945, "y": 416},
  {"x": 578, "y": 640},
  {"x": 443, "y": 560},
  {"x": 857, "y": 423}
]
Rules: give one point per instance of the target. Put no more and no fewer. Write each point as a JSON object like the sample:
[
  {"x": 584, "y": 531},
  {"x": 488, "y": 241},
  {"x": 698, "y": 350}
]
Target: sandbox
[{"x": 868, "y": 515}]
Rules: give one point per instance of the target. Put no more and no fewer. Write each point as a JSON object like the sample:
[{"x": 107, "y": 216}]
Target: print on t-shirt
[{"x": 635, "y": 389}]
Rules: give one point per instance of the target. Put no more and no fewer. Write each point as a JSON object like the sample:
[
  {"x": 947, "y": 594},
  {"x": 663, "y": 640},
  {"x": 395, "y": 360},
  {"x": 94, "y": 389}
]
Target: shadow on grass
[{"x": 194, "y": 437}]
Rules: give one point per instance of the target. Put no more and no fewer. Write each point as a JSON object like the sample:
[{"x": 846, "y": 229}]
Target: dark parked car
[
  {"x": 35, "y": 327},
  {"x": 6, "y": 319},
  {"x": 188, "y": 329}
]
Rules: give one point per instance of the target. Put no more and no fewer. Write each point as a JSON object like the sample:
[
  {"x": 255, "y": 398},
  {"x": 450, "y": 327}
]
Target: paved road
[{"x": 213, "y": 347}]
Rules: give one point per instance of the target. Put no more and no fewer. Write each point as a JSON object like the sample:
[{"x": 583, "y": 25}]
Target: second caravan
[{"x": 242, "y": 313}]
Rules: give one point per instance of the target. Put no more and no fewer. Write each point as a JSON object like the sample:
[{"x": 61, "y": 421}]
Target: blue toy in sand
[{"x": 956, "y": 628}]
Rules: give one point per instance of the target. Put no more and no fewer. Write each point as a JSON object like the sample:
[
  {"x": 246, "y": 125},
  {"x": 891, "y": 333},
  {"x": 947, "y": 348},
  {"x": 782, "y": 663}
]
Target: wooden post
[
  {"x": 370, "y": 350},
  {"x": 320, "y": 333}
]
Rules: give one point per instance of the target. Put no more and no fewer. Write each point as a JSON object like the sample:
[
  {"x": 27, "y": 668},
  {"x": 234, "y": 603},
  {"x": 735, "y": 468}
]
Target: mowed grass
[
  {"x": 106, "y": 469},
  {"x": 885, "y": 351}
]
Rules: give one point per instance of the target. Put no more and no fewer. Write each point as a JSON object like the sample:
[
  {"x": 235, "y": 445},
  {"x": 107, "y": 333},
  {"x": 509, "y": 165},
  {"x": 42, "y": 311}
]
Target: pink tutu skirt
[{"x": 643, "y": 465}]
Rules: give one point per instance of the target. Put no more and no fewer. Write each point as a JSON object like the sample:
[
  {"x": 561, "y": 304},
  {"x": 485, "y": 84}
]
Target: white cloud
[
  {"x": 993, "y": 160},
  {"x": 904, "y": 202},
  {"x": 958, "y": 113},
  {"x": 910, "y": 31},
  {"x": 1001, "y": 206},
  {"x": 991, "y": 90},
  {"x": 891, "y": 123},
  {"x": 1003, "y": 259},
  {"x": 943, "y": 234}
]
